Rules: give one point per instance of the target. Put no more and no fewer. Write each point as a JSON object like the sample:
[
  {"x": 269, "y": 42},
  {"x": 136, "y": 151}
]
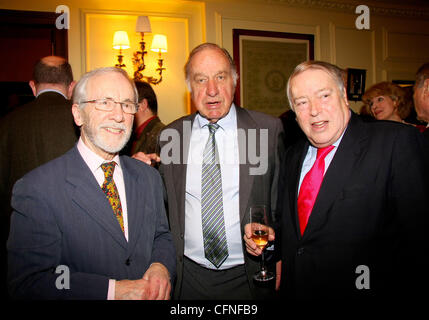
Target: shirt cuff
[{"x": 111, "y": 291}]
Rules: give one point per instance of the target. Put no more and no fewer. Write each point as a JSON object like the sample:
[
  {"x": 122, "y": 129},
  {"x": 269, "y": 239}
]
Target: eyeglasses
[{"x": 107, "y": 104}]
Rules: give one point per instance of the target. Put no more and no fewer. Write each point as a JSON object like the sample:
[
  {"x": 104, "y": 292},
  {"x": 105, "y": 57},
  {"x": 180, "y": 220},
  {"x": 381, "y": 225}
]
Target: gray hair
[
  {"x": 337, "y": 74},
  {"x": 80, "y": 90},
  {"x": 202, "y": 47},
  {"x": 421, "y": 75}
]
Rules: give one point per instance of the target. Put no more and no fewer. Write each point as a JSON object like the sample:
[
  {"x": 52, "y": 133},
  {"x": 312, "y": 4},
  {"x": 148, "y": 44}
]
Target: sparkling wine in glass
[{"x": 259, "y": 221}]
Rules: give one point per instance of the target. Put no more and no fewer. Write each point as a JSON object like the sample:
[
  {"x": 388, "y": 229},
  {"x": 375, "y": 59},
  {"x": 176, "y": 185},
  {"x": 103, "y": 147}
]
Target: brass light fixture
[
  {"x": 120, "y": 41},
  {"x": 159, "y": 44}
]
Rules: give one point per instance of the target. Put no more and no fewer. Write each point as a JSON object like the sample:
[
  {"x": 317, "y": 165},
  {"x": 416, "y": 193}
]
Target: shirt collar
[
  {"x": 51, "y": 90},
  {"x": 227, "y": 122},
  {"x": 93, "y": 160}
]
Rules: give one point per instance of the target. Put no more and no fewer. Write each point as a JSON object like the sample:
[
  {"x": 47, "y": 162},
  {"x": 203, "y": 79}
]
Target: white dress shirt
[
  {"x": 51, "y": 90},
  {"x": 310, "y": 159},
  {"x": 227, "y": 146}
]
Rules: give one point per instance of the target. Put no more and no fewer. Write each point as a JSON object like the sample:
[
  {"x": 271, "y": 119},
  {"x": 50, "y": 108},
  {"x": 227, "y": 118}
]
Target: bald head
[
  {"x": 53, "y": 61},
  {"x": 52, "y": 72},
  {"x": 52, "y": 69}
]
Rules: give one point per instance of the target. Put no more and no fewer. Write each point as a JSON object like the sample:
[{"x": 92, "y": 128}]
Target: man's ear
[
  {"x": 70, "y": 89},
  {"x": 32, "y": 85},
  {"x": 143, "y": 105},
  {"x": 77, "y": 116},
  {"x": 345, "y": 96}
]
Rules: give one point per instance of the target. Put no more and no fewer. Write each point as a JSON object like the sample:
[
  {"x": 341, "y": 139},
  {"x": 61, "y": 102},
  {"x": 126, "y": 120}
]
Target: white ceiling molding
[{"x": 417, "y": 9}]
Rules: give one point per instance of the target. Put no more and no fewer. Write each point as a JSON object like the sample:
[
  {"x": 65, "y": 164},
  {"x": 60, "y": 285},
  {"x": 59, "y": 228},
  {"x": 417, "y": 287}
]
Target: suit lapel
[
  {"x": 179, "y": 172},
  {"x": 136, "y": 203},
  {"x": 337, "y": 175},
  {"x": 89, "y": 196},
  {"x": 244, "y": 122},
  {"x": 294, "y": 173}
]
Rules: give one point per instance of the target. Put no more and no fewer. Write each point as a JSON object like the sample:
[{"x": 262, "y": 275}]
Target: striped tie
[
  {"x": 215, "y": 245},
  {"x": 111, "y": 192}
]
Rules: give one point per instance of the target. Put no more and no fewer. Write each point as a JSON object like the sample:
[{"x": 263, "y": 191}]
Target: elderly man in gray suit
[
  {"x": 247, "y": 146},
  {"x": 91, "y": 224}
]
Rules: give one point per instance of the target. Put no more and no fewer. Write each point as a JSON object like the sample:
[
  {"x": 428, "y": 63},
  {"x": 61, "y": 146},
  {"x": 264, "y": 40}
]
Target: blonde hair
[{"x": 391, "y": 90}]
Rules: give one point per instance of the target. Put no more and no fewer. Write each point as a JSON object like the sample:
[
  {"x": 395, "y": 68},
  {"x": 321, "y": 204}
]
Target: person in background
[
  {"x": 35, "y": 133},
  {"x": 354, "y": 199},
  {"x": 386, "y": 101},
  {"x": 365, "y": 114},
  {"x": 146, "y": 122},
  {"x": 96, "y": 214},
  {"x": 293, "y": 132},
  {"x": 214, "y": 265},
  {"x": 421, "y": 96},
  {"x": 41, "y": 130}
]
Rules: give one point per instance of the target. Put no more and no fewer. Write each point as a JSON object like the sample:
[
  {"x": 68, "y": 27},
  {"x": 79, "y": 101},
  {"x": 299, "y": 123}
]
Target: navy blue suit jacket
[
  {"x": 371, "y": 210},
  {"x": 62, "y": 217}
]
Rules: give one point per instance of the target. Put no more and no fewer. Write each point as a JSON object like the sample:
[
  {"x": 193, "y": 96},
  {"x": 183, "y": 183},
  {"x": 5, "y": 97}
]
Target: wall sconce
[
  {"x": 159, "y": 44},
  {"x": 120, "y": 41}
]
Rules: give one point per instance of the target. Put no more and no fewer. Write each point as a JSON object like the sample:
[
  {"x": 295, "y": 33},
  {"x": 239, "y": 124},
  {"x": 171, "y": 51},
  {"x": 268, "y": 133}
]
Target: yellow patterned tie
[{"x": 111, "y": 192}]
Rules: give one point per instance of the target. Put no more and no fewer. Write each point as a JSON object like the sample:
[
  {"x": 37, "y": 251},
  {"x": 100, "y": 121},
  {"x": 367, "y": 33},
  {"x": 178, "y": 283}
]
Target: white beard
[{"x": 98, "y": 140}]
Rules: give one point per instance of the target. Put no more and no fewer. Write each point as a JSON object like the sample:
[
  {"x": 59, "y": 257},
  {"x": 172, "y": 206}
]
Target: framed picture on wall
[
  {"x": 355, "y": 84},
  {"x": 265, "y": 60}
]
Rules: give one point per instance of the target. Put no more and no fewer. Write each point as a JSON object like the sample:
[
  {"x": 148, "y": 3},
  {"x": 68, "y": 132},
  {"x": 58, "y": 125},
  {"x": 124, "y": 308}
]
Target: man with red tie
[{"x": 355, "y": 198}]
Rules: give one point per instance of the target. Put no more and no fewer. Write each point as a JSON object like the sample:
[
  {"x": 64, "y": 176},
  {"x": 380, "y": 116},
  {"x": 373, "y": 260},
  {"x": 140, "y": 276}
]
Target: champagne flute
[{"x": 259, "y": 222}]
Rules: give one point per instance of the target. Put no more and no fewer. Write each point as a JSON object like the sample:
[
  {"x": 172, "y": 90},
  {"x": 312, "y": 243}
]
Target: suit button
[
  {"x": 128, "y": 262},
  {"x": 300, "y": 251},
  {"x": 181, "y": 236}
]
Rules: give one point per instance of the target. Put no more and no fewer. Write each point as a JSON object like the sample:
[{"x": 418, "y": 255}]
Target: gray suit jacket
[
  {"x": 254, "y": 189},
  {"x": 62, "y": 217}
]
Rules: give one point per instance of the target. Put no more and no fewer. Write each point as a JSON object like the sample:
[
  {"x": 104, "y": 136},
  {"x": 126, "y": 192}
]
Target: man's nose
[
  {"x": 117, "y": 113},
  {"x": 212, "y": 89},
  {"x": 314, "y": 108}
]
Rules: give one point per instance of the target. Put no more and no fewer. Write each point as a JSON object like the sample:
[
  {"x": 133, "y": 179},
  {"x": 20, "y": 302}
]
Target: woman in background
[{"x": 386, "y": 101}]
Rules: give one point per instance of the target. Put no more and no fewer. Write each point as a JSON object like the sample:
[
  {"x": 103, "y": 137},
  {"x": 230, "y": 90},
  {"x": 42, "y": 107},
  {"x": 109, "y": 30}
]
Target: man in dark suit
[
  {"x": 245, "y": 180},
  {"x": 37, "y": 132},
  {"x": 147, "y": 123},
  {"x": 355, "y": 198},
  {"x": 91, "y": 224},
  {"x": 421, "y": 96}
]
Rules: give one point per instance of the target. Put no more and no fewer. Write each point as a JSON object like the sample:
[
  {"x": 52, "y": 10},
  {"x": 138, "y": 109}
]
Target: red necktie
[{"x": 310, "y": 187}]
